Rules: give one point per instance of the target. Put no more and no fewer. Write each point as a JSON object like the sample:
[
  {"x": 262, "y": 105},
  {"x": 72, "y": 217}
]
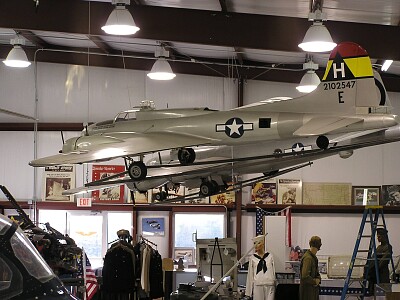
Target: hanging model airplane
[{"x": 349, "y": 100}]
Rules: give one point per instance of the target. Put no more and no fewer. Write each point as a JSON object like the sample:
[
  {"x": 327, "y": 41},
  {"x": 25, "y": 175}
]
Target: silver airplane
[
  {"x": 349, "y": 100},
  {"x": 218, "y": 166}
]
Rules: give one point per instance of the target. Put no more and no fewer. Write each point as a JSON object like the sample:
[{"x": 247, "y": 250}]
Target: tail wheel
[
  {"x": 186, "y": 156},
  {"x": 137, "y": 170},
  {"x": 322, "y": 142}
]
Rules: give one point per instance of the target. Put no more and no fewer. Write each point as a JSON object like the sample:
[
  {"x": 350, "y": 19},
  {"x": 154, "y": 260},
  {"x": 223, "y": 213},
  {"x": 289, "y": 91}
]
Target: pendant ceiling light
[
  {"x": 161, "y": 69},
  {"x": 310, "y": 80},
  {"x": 317, "y": 38},
  {"x": 17, "y": 58},
  {"x": 120, "y": 21}
]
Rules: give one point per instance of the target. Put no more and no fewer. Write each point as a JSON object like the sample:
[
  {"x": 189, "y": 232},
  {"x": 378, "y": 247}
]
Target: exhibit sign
[
  {"x": 112, "y": 194},
  {"x": 56, "y": 180}
]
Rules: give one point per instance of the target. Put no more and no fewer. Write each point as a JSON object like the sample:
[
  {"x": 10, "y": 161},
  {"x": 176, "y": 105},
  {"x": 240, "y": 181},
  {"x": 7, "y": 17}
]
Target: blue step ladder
[{"x": 371, "y": 215}]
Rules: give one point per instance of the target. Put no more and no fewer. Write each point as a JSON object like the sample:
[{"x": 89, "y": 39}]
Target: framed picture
[
  {"x": 390, "y": 195},
  {"x": 366, "y": 195},
  {"x": 264, "y": 192},
  {"x": 153, "y": 226},
  {"x": 323, "y": 268},
  {"x": 113, "y": 194},
  {"x": 58, "y": 179},
  {"x": 289, "y": 191},
  {"x": 184, "y": 253}
]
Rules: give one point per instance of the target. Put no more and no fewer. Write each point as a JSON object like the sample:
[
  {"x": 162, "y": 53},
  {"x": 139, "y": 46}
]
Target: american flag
[
  {"x": 88, "y": 275},
  {"x": 261, "y": 213}
]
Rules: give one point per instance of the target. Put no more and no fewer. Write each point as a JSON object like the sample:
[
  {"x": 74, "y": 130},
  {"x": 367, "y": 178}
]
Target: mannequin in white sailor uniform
[{"x": 261, "y": 273}]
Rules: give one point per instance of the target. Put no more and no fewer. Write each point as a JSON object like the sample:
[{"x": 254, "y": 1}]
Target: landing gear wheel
[
  {"x": 186, "y": 156},
  {"x": 137, "y": 170},
  {"x": 161, "y": 196},
  {"x": 322, "y": 142},
  {"x": 215, "y": 186},
  {"x": 206, "y": 189}
]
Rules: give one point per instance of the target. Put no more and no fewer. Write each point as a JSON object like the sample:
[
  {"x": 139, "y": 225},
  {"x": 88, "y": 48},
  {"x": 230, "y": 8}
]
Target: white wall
[{"x": 81, "y": 94}]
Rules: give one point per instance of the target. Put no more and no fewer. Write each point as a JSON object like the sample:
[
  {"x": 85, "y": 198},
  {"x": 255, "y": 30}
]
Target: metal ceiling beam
[
  {"x": 33, "y": 38},
  {"x": 195, "y": 26}
]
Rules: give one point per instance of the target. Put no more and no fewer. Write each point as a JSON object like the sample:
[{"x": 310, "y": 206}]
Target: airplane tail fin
[
  {"x": 349, "y": 76},
  {"x": 347, "y": 87}
]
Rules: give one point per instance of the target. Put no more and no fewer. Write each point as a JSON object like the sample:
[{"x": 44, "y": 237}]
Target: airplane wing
[
  {"x": 132, "y": 144},
  {"x": 226, "y": 167},
  {"x": 324, "y": 125}
]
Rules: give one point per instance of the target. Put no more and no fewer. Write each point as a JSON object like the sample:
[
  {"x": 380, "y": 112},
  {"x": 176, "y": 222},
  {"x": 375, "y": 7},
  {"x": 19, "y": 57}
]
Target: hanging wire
[{"x": 126, "y": 79}]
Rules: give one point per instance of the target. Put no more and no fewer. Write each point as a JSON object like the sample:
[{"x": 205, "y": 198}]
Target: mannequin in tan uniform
[{"x": 261, "y": 274}]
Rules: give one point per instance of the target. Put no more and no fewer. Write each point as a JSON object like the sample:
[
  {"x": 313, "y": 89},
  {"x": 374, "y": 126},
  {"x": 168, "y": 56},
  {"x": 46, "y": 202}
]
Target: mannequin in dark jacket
[
  {"x": 383, "y": 254},
  {"x": 310, "y": 279}
]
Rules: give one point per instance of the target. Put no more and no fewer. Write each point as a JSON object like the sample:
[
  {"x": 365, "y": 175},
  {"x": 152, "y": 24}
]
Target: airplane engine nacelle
[
  {"x": 345, "y": 154},
  {"x": 143, "y": 186}
]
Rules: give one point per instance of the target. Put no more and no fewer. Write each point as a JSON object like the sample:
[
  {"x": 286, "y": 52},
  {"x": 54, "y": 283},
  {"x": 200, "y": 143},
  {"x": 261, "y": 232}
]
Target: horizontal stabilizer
[{"x": 324, "y": 125}]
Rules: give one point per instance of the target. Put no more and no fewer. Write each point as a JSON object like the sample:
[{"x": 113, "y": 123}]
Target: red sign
[
  {"x": 84, "y": 202},
  {"x": 112, "y": 194}
]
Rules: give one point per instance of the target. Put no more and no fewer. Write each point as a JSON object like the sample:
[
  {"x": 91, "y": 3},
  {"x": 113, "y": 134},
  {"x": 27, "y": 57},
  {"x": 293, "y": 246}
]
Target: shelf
[{"x": 344, "y": 209}]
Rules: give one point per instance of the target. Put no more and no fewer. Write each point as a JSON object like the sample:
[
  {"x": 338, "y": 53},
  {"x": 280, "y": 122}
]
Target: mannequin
[{"x": 261, "y": 274}]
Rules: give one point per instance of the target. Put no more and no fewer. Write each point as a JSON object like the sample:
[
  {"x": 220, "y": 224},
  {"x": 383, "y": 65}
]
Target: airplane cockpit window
[
  {"x": 29, "y": 257},
  {"x": 125, "y": 116}
]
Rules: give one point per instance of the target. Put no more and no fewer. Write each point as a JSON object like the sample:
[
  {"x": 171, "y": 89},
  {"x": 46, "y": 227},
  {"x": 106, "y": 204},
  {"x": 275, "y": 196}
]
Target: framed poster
[
  {"x": 366, "y": 195},
  {"x": 323, "y": 268},
  {"x": 225, "y": 198},
  {"x": 184, "y": 253},
  {"x": 326, "y": 193},
  {"x": 264, "y": 192},
  {"x": 390, "y": 195},
  {"x": 56, "y": 180},
  {"x": 289, "y": 191},
  {"x": 153, "y": 226},
  {"x": 112, "y": 194}
]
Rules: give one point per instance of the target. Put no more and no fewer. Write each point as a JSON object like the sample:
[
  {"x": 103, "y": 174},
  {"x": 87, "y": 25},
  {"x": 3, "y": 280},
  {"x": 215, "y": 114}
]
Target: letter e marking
[{"x": 340, "y": 95}]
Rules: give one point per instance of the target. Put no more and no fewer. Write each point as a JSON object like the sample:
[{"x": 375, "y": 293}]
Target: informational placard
[
  {"x": 113, "y": 194},
  {"x": 56, "y": 180}
]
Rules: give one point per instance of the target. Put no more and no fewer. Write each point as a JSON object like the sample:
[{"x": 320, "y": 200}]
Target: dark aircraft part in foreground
[
  {"x": 58, "y": 250},
  {"x": 24, "y": 273}
]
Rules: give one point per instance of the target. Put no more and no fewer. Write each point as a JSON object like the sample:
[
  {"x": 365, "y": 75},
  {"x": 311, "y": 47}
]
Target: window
[
  {"x": 264, "y": 123},
  {"x": 207, "y": 226},
  {"x": 92, "y": 231}
]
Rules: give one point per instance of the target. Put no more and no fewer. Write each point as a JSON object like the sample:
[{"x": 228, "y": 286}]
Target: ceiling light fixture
[
  {"x": 17, "y": 58},
  {"x": 317, "y": 38},
  {"x": 310, "y": 80},
  {"x": 120, "y": 21},
  {"x": 161, "y": 69},
  {"x": 386, "y": 65}
]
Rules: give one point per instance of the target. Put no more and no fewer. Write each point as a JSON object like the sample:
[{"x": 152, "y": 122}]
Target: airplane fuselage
[{"x": 222, "y": 127}]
